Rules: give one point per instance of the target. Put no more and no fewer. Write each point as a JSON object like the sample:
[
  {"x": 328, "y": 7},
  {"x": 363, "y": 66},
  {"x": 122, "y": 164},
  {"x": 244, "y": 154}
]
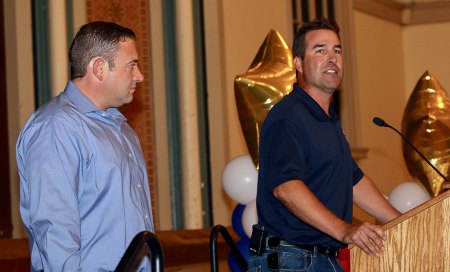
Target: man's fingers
[
  {"x": 369, "y": 248},
  {"x": 368, "y": 237},
  {"x": 377, "y": 237},
  {"x": 378, "y": 230}
]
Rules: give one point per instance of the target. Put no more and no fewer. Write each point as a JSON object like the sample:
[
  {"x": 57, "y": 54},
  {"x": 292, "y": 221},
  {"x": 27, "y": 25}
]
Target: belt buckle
[{"x": 273, "y": 241}]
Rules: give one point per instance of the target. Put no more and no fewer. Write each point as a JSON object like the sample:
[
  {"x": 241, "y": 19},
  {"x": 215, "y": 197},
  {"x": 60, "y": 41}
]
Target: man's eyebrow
[
  {"x": 135, "y": 61},
  {"x": 319, "y": 45}
]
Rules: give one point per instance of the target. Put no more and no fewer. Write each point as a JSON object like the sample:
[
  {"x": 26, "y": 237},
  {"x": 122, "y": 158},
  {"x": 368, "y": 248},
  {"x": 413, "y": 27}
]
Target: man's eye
[
  {"x": 337, "y": 51},
  {"x": 320, "y": 51}
]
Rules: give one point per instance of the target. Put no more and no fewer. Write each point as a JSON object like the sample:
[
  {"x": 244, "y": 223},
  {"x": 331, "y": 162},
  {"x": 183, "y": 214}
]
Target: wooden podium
[{"x": 418, "y": 240}]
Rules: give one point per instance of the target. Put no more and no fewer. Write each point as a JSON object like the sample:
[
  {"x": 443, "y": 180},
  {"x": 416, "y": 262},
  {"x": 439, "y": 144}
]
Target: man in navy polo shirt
[{"x": 308, "y": 180}]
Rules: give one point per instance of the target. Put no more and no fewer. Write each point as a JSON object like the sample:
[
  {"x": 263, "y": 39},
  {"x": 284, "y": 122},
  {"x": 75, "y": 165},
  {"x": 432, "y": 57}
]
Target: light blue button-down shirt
[{"x": 84, "y": 190}]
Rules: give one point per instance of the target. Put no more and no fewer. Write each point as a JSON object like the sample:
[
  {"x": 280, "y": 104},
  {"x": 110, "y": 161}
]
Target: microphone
[{"x": 381, "y": 123}]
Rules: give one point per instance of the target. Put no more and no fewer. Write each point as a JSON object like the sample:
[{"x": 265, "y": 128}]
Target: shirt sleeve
[
  {"x": 358, "y": 174},
  {"x": 49, "y": 165},
  {"x": 284, "y": 154}
]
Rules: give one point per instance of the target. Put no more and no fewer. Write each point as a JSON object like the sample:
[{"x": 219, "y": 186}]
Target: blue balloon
[
  {"x": 243, "y": 246},
  {"x": 233, "y": 264},
  {"x": 236, "y": 220}
]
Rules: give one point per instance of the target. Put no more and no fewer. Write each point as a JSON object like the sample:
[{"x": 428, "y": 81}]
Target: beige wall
[
  {"x": 427, "y": 48},
  {"x": 246, "y": 25},
  {"x": 390, "y": 59},
  {"x": 380, "y": 66}
]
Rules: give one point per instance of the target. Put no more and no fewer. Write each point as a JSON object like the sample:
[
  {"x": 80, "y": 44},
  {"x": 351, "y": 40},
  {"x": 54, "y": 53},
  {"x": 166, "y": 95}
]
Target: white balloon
[
  {"x": 240, "y": 179},
  {"x": 249, "y": 217},
  {"x": 408, "y": 195}
]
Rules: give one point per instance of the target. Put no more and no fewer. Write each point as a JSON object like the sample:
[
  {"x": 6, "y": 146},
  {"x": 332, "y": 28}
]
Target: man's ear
[
  {"x": 99, "y": 67},
  {"x": 298, "y": 63}
]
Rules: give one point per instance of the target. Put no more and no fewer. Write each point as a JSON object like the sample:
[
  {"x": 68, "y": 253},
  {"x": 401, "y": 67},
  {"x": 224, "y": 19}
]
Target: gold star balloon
[
  {"x": 268, "y": 79},
  {"x": 426, "y": 123}
]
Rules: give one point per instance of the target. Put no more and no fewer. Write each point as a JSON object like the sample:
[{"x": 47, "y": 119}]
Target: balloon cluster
[{"x": 239, "y": 180}]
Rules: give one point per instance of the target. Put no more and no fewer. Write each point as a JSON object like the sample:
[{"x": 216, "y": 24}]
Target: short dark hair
[
  {"x": 299, "y": 46},
  {"x": 96, "y": 39}
]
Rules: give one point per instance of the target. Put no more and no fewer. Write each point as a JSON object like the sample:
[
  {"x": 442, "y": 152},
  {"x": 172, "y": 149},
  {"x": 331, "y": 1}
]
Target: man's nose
[
  {"x": 138, "y": 76},
  {"x": 332, "y": 58}
]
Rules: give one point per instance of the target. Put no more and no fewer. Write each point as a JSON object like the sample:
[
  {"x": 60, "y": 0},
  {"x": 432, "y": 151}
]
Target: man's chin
[
  {"x": 333, "y": 85},
  {"x": 127, "y": 100}
]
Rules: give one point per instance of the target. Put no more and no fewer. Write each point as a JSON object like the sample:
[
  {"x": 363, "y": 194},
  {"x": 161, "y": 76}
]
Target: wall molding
[
  {"x": 433, "y": 12},
  {"x": 405, "y": 14},
  {"x": 384, "y": 9}
]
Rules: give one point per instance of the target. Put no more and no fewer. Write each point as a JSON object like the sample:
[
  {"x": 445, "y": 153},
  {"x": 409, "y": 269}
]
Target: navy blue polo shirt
[{"x": 299, "y": 141}]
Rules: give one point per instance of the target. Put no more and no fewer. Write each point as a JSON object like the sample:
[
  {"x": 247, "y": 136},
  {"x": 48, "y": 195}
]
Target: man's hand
[{"x": 367, "y": 236}]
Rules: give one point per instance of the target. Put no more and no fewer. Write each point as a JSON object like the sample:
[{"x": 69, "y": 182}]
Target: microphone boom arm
[
  {"x": 418, "y": 152},
  {"x": 380, "y": 122}
]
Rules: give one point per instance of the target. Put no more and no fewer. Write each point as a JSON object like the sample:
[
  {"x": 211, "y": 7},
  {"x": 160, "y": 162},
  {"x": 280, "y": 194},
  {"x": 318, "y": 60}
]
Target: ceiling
[{"x": 418, "y": 1}]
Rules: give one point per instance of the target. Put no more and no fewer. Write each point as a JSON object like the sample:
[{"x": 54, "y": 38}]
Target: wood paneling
[
  {"x": 186, "y": 250},
  {"x": 418, "y": 240}
]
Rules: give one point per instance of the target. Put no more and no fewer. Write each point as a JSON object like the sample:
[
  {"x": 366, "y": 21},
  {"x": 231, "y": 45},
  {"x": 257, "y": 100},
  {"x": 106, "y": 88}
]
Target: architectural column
[
  {"x": 189, "y": 115},
  {"x": 58, "y": 45},
  {"x": 350, "y": 115},
  {"x": 20, "y": 89}
]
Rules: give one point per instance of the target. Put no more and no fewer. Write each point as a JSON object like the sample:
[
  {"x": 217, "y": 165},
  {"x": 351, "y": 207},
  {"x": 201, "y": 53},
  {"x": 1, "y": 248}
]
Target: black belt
[{"x": 324, "y": 250}]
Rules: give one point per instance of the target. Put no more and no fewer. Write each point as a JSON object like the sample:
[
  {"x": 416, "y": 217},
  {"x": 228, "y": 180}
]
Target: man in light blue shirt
[{"x": 84, "y": 190}]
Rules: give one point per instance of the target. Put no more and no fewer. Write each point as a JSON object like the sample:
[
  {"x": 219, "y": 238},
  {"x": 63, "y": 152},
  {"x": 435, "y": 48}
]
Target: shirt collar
[
  {"x": 313, "y": 107},
  {"x": 86, "y": 106}
]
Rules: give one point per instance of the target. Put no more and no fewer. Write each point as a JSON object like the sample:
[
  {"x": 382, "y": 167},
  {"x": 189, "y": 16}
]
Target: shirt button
[
  {"x": 139, "y": 185},
  {"x": 103, "y": 114},
  {"x": 129, "y": 155}
]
